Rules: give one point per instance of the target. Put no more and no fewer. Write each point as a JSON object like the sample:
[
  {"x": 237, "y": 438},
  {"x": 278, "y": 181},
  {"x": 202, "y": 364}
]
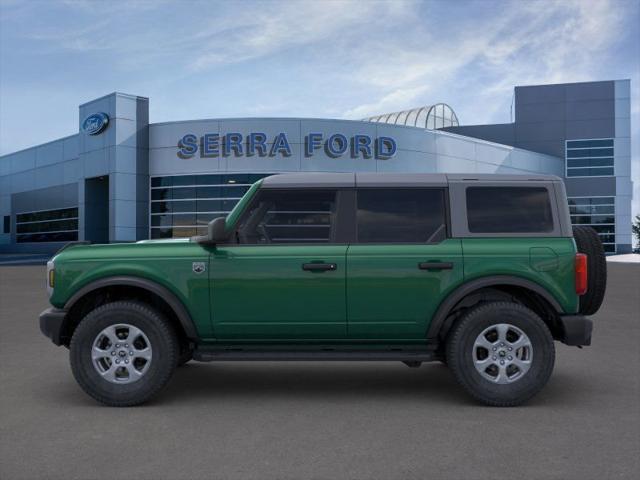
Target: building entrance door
[{"x": 96, "y": 209}]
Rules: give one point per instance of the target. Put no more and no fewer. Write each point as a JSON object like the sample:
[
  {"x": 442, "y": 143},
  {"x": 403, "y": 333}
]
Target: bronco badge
[{"x": 199, "y": 267}]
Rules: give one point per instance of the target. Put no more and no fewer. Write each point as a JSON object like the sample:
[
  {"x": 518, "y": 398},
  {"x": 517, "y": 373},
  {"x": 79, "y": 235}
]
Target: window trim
[
  {"x": 458, "y": 207},
  {"x": 447, "y": 218}
]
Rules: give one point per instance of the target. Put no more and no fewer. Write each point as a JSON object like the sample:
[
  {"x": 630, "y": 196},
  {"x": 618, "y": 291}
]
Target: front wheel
[
  {"x": 123, "y": 353},
  {"x": 502, "y": 353}
]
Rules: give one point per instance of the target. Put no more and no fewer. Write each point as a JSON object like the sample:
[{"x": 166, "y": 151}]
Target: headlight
[{"x": 51, "y": 277}]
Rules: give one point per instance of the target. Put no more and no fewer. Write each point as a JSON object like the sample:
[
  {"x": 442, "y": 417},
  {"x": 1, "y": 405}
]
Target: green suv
[{"x": 481, "y": 272}]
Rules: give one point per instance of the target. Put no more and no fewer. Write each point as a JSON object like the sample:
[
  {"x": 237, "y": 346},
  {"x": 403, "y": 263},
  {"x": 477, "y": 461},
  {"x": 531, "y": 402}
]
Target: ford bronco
[{"x": 481, "y": 272}]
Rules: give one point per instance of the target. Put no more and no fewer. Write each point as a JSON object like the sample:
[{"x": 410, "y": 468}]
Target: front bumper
[
  {"x": 51, "y": 324},
  {"x": 575, "y": 330}
]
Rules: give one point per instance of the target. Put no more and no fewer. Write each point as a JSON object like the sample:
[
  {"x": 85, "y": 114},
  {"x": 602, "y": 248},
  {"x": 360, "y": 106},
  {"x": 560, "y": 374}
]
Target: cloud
[
  {"x": 203, "y": 35},
  {"x": 264, "y": 31},
  {"x": 525, "y": 44},
  {"x": 387, "y": 104},
  {"x": 348, "y": 59}
]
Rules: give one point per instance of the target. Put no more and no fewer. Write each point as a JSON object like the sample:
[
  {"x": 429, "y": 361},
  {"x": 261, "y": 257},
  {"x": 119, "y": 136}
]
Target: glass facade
[
  {"x": 60, "y": 225},
  {"x": 589, "y": 158},
  {"x": 597, "y": 213},
  {"x": 183, "y": 205}
]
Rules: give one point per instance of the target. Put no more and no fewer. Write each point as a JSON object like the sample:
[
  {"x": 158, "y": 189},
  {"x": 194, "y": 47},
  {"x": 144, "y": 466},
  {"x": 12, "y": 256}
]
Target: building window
[
  {"x": 60, "y": 225},
  {"x": 509, "y": 210},
  {"x": 6, "y": 228},
  {"x": 183, "y": 205},
  {"x": 415, "y": 215},
  {"x": 597, "y": 213},
  {"x": 589, "y": 158}
]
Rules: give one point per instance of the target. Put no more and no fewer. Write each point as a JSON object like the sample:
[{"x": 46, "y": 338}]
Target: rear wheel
[
  {"x": 588, "y": 242},
  {"x": 502, "y": 353},
  {"x": 123, "y": 353}
]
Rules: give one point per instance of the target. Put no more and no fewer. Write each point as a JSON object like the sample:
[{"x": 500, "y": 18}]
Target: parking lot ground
[{"x": 320, "y": 420}]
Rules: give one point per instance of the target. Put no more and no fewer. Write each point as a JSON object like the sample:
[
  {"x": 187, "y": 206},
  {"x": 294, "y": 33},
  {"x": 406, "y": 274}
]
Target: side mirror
[{"x": 217, "y": 230}]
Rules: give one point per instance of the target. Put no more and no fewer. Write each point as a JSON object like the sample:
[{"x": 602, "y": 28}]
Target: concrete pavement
[{"x": 319, "y": 421}]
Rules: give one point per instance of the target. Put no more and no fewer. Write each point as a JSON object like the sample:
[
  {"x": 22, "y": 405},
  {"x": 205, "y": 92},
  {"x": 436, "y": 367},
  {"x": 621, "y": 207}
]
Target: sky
[{"x": 323, "y": 59}]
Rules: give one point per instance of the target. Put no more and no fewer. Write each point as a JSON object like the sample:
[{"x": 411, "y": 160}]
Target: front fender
[{"x": 178, "y": 307}]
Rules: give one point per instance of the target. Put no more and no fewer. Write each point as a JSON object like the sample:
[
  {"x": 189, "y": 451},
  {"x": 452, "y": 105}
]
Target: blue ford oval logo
[{"x": 95, "y": 123}]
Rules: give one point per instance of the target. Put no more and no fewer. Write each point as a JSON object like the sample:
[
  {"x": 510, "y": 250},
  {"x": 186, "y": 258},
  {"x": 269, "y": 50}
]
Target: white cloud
[
  {"x": 338, "y": 58},
  {"x": 388, "y": 103},
  {"x": 261, "y": 32},
  {"x": 525, "y": 44}
]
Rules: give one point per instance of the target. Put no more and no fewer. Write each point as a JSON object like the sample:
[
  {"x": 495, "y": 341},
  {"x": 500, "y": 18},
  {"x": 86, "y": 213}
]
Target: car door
[
  {"x": 285, "y": 278},
  {"x": 402, "y": 263}
]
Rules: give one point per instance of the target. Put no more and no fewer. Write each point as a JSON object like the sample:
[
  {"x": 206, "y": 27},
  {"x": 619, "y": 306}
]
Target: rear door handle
[
  {"x": 319, "y": 267},
  {"x": 435, "y": 265}
]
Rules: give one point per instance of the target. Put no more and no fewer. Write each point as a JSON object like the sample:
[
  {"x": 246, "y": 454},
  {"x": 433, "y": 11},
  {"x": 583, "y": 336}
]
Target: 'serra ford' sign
[
  {"x": 258, "y": 144},
  {"x": 95, "y": 123}
]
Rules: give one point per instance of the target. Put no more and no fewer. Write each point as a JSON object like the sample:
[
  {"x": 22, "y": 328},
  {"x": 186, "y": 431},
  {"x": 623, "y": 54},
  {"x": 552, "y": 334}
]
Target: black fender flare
[
  {"x": 439, "y": 318},
  {"x": 172, "y": 300}
]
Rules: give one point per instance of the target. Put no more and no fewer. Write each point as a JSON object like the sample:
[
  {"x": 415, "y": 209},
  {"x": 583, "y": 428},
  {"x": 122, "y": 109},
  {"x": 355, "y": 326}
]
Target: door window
[
  {"x": 290, "y": 217},
  {"x": 414, "y": 215}
]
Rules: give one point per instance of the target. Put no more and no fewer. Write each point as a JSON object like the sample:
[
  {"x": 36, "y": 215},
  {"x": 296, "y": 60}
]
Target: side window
[
  {"x": 415, "y": 215},
  {"x": 6, "y": 227},
  {"x": 290, "y": 216},
  {"x": 509, "y": 210}
]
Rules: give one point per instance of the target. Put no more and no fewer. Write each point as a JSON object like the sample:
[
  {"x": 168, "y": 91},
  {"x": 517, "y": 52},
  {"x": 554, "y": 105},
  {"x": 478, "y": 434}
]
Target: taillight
[{"x": 581, "y": 273}]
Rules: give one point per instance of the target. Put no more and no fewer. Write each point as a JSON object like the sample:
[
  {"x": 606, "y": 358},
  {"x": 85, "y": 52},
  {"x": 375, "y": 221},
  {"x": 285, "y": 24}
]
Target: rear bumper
[
  {"x": 51, "y": 322},
  {"x": 575, "y": 330}
]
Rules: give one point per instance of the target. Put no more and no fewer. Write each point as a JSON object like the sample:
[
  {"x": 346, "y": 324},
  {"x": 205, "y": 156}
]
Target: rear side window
[
  {"x": 292, "y": 216},
  {"x": 509, "y": 210},
  {"x": 401, "y": 215}
]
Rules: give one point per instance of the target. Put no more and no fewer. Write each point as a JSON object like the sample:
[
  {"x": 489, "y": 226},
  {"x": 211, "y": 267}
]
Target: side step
[{"x": 222, "y": 355}]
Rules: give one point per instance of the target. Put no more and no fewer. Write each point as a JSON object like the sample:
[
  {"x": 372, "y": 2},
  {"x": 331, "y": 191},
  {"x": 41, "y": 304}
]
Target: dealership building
[{"x": 121, "y": 178}]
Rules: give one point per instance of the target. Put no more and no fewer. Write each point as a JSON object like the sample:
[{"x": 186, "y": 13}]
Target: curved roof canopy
[{"x": 430, "y": 117}]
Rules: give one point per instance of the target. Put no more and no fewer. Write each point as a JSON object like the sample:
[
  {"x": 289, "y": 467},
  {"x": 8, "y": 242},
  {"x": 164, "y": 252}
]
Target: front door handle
[
  {"x": 319, "y": 267},
  {"x": 435, "y": 265}
]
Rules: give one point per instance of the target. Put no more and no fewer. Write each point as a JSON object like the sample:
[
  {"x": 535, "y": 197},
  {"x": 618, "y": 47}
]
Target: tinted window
[
  {"x": 508, "y": 210},
  {"x": 7, "y": 224},
  {"x": 278, "y": 216},
  {"x": 590, "y": 158},
  {"x": 401, "y": 216},
  {"x": 59, "y": 225}
]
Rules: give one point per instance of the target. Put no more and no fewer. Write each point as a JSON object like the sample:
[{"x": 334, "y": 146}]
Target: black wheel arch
[
  {"x": 442, "y": 320},
  {"x": 170, "y": 300}
]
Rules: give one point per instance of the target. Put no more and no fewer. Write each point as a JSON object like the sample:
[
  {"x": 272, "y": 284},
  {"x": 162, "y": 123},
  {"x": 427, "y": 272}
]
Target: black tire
[
  {"x": 588, "y": 242},
  {"x": 163, "y": 343},
  {"x": 460, "y": 351}
]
